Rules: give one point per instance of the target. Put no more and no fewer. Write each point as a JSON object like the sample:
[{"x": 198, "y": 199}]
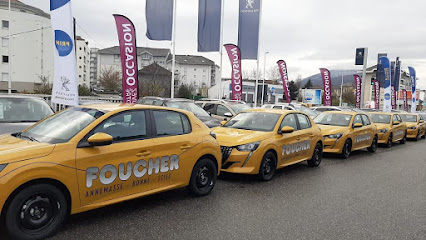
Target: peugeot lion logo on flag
[{"x": 249, "y": 3}]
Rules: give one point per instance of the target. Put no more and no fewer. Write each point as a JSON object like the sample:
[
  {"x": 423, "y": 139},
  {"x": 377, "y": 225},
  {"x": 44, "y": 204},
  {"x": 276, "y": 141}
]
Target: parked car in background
[
  {"x": 415, "y": 124},
  {"x": 184, "y": 104},
  {"x": 369, "y": 110},
  {"x": 336, "y": 108},
  {"x": 293, "y": 106},
  {"x": 18, "y": 112},
  {"x": 390, "y": 128},
  {"x": 221, "y": 109}
]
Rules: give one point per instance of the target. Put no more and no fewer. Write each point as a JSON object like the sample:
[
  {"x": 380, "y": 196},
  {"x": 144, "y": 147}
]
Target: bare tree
[
  {"x": 110, "y": 79},
  {"x": 273, "y": 73},
  {"x": 252, "y": 74},
  {"x": 45, "y": 87}
]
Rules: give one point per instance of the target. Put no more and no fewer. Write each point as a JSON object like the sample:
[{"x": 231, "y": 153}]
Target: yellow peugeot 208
[
  {"x": 390, "y": 128},
  {"x": 91, "y": 156},
  {"x": 345, "y": 132},
  {"x": 415, "y": 126},
  {"x": 261, "y": 140}
]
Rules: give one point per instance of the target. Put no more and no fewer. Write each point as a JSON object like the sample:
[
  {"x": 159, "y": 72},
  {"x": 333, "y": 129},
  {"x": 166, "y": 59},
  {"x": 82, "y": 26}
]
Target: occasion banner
[
  {"x": 248, "y": 28},
  {"x": 386, "y": 68},
  {"x": 65, "y": 84},
  {"x": 159, "y": 19},
  {"x": 376, "y": 94},
  {"x": 234, "y": 54},
  {"x": 405, "y": 99},
  {"x": 413, "y": 88},
  {"x": 393, "y": 95},
  {"x": 129, "y": 60},
  {"x": 326, "y": 79},
  {"x": 358, "y": 90},
  {"x": 209, "y": 17},
  {"x": 282, "y": 66},
  {"x": 397, "y": 78}
]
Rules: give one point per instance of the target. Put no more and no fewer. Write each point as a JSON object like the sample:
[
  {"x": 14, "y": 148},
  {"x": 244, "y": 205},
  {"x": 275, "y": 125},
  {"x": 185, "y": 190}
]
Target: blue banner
[
  {"x": 393, "y": 73},
  {"x": 248, "y": 28},
  {"x": 397, "y": 74},
  {"x": 386, "y": 68},
  {"x": 413, "y": 89},
  {"x": 159, "y": 19},
  {"x": 209, "y": 17},
  {"x": 380, "y": 74}
]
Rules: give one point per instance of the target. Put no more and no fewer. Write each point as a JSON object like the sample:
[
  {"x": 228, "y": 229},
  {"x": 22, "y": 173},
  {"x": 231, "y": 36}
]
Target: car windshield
[
  {"x": 237, "y": 108},
  {"x": 380, "y": 118},
  {"x": 15, "y": 110},
  {"x": 188, "y": 106},
  {"x": 306, "y": 110},
  {"x": 61, "y": 127},
  {"x": 151, "y": 101},
  {"x": 334, "y": 119},
  {"x": 408, "y": 118},
  {"x": 256, "y": 121}
]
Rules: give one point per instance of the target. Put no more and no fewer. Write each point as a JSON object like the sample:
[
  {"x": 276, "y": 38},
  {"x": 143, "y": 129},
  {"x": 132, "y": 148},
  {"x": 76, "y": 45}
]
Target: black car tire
[
  {"x": 267, "y": 166},
  {"x": 347, "y": 148},
  {"x": 374, "y": 145},
  {"x": 390, "y": 141},
  {"x": 315, "y": 161},
  {"x": 36, "y": 212},
  {"x": 404, "y": 139},
  {"x": 203, "y": 177}
]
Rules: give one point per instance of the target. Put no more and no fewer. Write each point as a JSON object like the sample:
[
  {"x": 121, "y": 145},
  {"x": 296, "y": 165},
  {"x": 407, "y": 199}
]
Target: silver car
[{"x": 18, "y": 112}]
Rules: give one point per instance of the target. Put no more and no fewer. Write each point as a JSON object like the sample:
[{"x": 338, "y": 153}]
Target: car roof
[
  {"x": 269, "y": 110},
  {"x": 126, "y": 106},
  {"x": 383, "y": 113},
  {"x": 19, "y": 96},
  {"x": 343, "y": 112}
]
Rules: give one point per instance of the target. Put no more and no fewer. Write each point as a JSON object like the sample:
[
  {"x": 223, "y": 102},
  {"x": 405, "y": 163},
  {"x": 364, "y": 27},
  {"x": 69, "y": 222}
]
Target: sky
[{"x": 307, "y": 34}]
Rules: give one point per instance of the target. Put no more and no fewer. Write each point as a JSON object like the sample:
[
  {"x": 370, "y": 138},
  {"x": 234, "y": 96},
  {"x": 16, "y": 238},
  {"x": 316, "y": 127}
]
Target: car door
[
  {"x": 288, "y": 141},
  {"x": 118, "y": 169},
  {"x": 358, "y": 133},
  {"x": 306, "y": 134},
  {"x": 175, "y": 143},
  {"x": 398, "y": 130},
  {"x": 369, "y": 131}
]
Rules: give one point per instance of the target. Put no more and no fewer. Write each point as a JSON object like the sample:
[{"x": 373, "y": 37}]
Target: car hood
[
  {"x": 14, "y": 127},
  {"x": 382, "y": 126},
  {"x": 411, "y": 124},
  {"x": 328, "y": 129},
  {"x": 16, "y": 149},
  {"x": 235, "y": 137},
  {"x": 210, "y": 122}
]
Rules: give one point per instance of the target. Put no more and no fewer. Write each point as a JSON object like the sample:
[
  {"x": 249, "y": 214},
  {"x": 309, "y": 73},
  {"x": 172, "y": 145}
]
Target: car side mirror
[
  {"x": 100, "y": 139},
  {"x": 396, "y": 123},
  {"x": 287, "y": 129},
  {"x": 209, "y": 113},
  {"x": 228, "y": 114},
  {"x": 223, "y": 123},
  {"x": 357, "y": 125}
]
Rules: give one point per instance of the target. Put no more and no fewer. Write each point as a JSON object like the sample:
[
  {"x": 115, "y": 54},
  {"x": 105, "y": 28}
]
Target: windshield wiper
[{"x": 28, "y": 137}]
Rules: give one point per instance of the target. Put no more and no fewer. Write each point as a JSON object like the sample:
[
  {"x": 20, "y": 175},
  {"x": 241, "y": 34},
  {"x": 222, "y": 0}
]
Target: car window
[
  {"x": 399, "y": 118},
  {"x": 365, "y": 120},
  {"x": 357, "y": 119},
  {"x": 127, "y": 125},
  {"x": 395, "y": 118},
  {"x": 304, "y": 121},
  {"x": 210, "y": 108},
  {"x": 169, "y": 123},
  {"x": 289, "y": 121},
  {"x": 221, "y": 110},
  {"x": 278, "y": 107},
  {"x": 17, "y": 110}
]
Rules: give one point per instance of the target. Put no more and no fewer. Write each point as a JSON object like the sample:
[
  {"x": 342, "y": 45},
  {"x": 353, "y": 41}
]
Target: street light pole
[
  {"x": 9, "y": 87},
  {"x": 264, "y": 77},
  {"x": 341, "y": 92}
]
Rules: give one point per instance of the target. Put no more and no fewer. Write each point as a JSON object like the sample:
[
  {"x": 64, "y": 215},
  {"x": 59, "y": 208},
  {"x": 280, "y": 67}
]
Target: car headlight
[
  {"x": 248, "y": 147},
  {"x": 336, "y": 136},
  {"x": 2, "y": 166},
  {"x": 413, "y": 128},
  {"x": 383, "y": 130}
]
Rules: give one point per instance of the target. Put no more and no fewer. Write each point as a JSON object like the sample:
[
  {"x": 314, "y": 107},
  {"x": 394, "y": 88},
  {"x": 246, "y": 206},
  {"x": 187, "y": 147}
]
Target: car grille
[{"x": 226, "y": 152}]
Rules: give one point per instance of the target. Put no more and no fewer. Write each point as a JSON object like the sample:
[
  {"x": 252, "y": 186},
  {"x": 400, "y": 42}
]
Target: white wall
[
  {"x": 83, "y": 63},
  {"x": 196, "y": 75}
]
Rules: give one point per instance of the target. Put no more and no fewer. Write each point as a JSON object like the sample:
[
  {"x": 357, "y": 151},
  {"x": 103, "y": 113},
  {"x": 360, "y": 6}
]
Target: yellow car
[
  {"x": 415, "y": 125},
  {"x": 390, "y": 128},
  {"x": 91, "y": 156},
  {"x": 345, "y": 132},
  {"x": 261, "y": 140}
]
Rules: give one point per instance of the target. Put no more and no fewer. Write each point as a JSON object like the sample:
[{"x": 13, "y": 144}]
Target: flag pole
[
  {"x": 172, "y": 88},
  {"x": 9, "y": 87},
  {"x": 341, "y": 91},
  {"x": 258, "y": 53},
  {"x": 221, "y": 49}
]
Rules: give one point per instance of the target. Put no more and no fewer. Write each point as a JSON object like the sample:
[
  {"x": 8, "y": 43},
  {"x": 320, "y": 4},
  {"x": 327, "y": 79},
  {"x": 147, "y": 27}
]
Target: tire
[
  {"x": 390, "y": 141},
  {"x": 417, "y": 136},
  {"x": 347, "y": 148},
  {"x": 36, "y": 212},
  {"x": 404, "y": 139},
  {"x": 315, "y": 161},
  {"x": 203, "y": 177},
  {"x": 374, "y": 144},
  {"x": 267, "y": 166}
]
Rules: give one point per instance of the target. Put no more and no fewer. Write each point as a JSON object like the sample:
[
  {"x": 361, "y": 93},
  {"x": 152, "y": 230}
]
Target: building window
[
  {"x": 5, "y": 24},
  {"x": 195, "y": 69},
  {"x": 204, "y": 70},
  {"x": 195, "y": 76},
  {"x": 5, "y": 76},
  {"x": 79, "y": 67},
  {"x": 79, "y": 76},
  {"x": 116, "y": 58},
  {"x": 5, "y": 42},
  {"x": 80, "y": 48},
  {"x": 5, "y": 59}
]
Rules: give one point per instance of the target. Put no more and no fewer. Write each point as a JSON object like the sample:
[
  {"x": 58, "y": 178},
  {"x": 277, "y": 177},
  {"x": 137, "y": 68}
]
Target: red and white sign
[
  {"x": 358, "y": 81},
  {"x": 405, "y": 98},
  {"x": 234, "y": 54},
  {"x": 282, "y": 66},
  {"x": 326, "y": 79},
  {"x": 377, "y": 94}
]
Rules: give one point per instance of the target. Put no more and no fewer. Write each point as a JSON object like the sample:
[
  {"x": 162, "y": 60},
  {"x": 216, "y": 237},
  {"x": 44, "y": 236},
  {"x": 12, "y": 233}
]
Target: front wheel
[
  {"x": 267, "y": 166},
  {"x": 404, "y": 139},
  {"x": 390, "y": 141},
  {"x": 373, "y": 147},
  {"x": 316, "y": 157},
  {"x": 347, "y": 148},
  {"x": 203, "y": 177},
  {"x": 36, "y": 212}
]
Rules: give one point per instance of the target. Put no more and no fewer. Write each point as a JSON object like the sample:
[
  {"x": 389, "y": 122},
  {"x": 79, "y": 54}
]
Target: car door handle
[
  {"x": 185, "y": 147},
  {"x": 143, "y": 153},
  {"x": 298, "y": 138}
]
